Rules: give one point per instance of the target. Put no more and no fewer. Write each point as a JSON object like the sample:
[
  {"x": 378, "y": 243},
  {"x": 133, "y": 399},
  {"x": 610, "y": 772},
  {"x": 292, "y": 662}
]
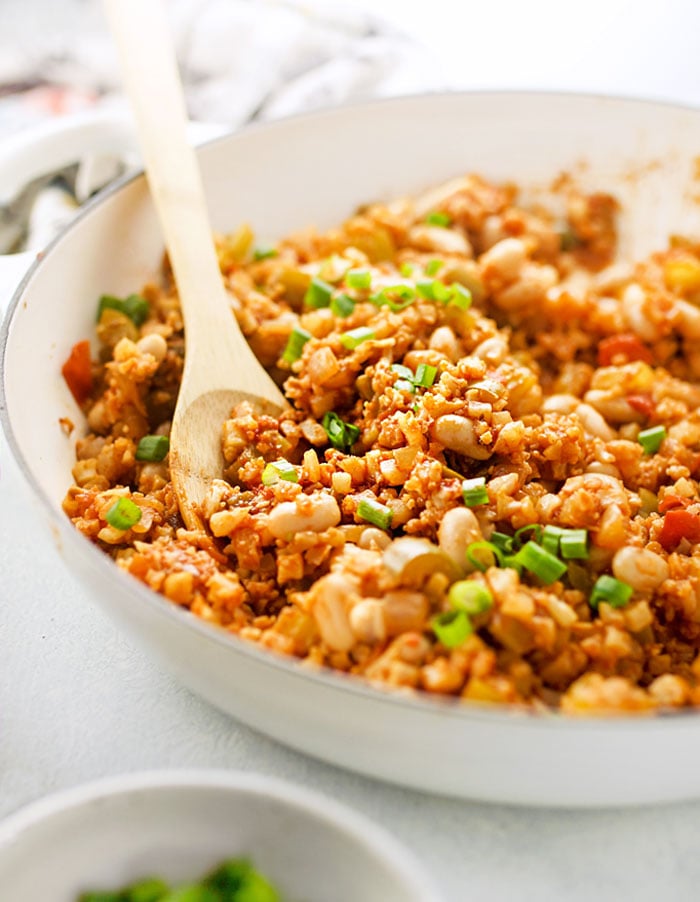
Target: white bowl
[
  {"x": 179, "y": 824},
  {"x": 317, "y": 169}
]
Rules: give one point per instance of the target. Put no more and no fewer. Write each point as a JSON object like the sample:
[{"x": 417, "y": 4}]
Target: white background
[{"x": 78, "y": 701}]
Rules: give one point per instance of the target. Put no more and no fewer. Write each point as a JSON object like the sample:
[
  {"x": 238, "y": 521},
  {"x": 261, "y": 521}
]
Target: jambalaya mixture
[{"x": 486, "y": 485}]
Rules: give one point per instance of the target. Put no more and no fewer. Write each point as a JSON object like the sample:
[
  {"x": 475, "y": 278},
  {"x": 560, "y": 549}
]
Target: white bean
[
  {"x": 328, "y": 606},
  {"x": 633, "y": 302},
  {"x": 153, "y": 344},
  {"x": 493, "y": 350},
  {"x": 458, "y": 434},
  {"x": 640, "y": 568},
  {"x": 560, "y": 404},
  {"x": 445, "y": 341},
  {"x": 367, "y": 620},
  {"x": 687, "y": 320},
  {"x": 504, "y": 260},
  {"x": 459, "y": 527},
  {"x": 373, "y": 538},
  {"x": 593, "y": 422},
  {"x": 439, "y": 240},
  {"x": 307, "y": 513},
  {"x": 405, "y": 610}
]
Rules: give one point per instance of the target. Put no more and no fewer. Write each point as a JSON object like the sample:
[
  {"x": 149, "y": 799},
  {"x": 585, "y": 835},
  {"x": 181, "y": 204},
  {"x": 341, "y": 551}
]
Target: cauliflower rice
[{"x": 459, "y": 367}]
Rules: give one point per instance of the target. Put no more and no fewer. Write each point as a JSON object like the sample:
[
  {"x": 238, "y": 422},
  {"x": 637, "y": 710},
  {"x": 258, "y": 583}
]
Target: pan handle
[{"x": 58, "y": 143}]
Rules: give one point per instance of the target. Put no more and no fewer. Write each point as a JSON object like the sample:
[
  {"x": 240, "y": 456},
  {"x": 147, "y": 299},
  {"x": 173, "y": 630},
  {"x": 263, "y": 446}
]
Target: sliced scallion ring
[
  {"x": 540, "y": 562},
  {"x": 152, "y": 447},
  {"x": 474, "y": 492},
  {"x": 342, "y": 305},
  {"x": 573, "y": 545},
  {"x": 279, "y": 469},
  {"x": 375, "y": 513},
  {"x": 652, "y": 438},
  {"x": 340, "y": 434},
  {"x": 438, "y": 218},
  {"x": 355, "y": 337},
  {"x": 483, "y": 555},
  {"x": 610, "y": 590},
  {"x": 470, "y": 596},
  {"x": 358, "y": 278},
  {"x": 295, "y": 344},
  {"x": 123, "y": 514},
  {"x": 318, "y": 294},
  {"x": 425, "y": 375},
  {"x": 451, "y": 628}
]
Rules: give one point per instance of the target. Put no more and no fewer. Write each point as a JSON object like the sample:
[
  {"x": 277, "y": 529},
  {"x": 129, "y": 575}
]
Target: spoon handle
[{"x": 141, "y": 32}]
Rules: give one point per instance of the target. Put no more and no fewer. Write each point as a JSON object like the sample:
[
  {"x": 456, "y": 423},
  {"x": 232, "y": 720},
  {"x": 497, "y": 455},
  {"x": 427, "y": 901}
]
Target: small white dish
[{"x": 179, "y": 824}]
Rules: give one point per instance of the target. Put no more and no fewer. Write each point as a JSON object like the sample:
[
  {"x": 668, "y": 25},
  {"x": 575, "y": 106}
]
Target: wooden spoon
[{"x": 220, "y": 369}]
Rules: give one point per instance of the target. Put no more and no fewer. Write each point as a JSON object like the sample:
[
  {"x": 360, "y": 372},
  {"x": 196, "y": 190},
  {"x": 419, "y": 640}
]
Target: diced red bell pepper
[
  {"x": 642, "y": 403},
  {"x": 679, "y": 524},
  {"x": 627, "y": 346},
  {"x": 77, "y": 371},
  {"x": 669, "y": 501}
]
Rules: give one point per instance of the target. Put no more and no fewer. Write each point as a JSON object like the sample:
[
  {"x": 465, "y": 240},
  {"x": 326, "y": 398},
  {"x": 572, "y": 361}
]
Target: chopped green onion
[
  {"x": 470, "y": 596},
  {"x": 432, "y": 267},
  {"x": 264, "y": 253},
  {"x": 425, "y": 375},
  {"x": 137, "y": 309},
  {"x": 503, "y": 541},
  {"x": 438, "y": 219},
  {"x": 237, "y": 880},
  {"x": 451, "y": 628},
  {"x": 405, "y": 380},
  {"x": 610, "y": 590},
  {"x": 295, "y": 344},
  {"x": 441, "y": 292},
  {"x": 651, "y": 439},
  {"x": 134, "y": 306},
  {"x": 425, "y": 288},
  {"x": 544, "y": 565},
  {"x": 109, "y": 302},
  {"x": 483, "y": 555},
  {"x": 356, "y": 337},
  {"x": 279, "y": 469},
  {"x": 342, "y": 305},
  {"x": 375, "y": 513},
  {"x": 149, "y": 890},
  {"x": 551, "y": 536},
  {"x": 340, "y": 434},
  {"x": 573, "y": 545},
  {"x": 358, "y": 278},
  {"x": 474, "y": 492},
  {"x": 318, "y": 294},
  {"x": 533, "y": 528},
  {"x": 403, "y": 371},
  {"x": 153, "y": 447},
  {"x": 434, "y": 290},
  {"x": 123, "y": 514},
  {"x": 511, "y": 561},
  {"x": 395, "y": 297},
  {"x": 406, "y": 269},
  {"x": 460, "y": 296}
]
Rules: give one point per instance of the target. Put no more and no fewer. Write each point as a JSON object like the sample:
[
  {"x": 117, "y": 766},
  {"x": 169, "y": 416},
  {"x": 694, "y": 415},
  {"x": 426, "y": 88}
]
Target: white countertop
[{"x": 79, "y": 701}]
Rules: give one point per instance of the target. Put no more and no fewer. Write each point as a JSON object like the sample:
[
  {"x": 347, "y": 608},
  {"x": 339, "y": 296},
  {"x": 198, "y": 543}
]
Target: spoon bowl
[{"x": 220, "y": 369}]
